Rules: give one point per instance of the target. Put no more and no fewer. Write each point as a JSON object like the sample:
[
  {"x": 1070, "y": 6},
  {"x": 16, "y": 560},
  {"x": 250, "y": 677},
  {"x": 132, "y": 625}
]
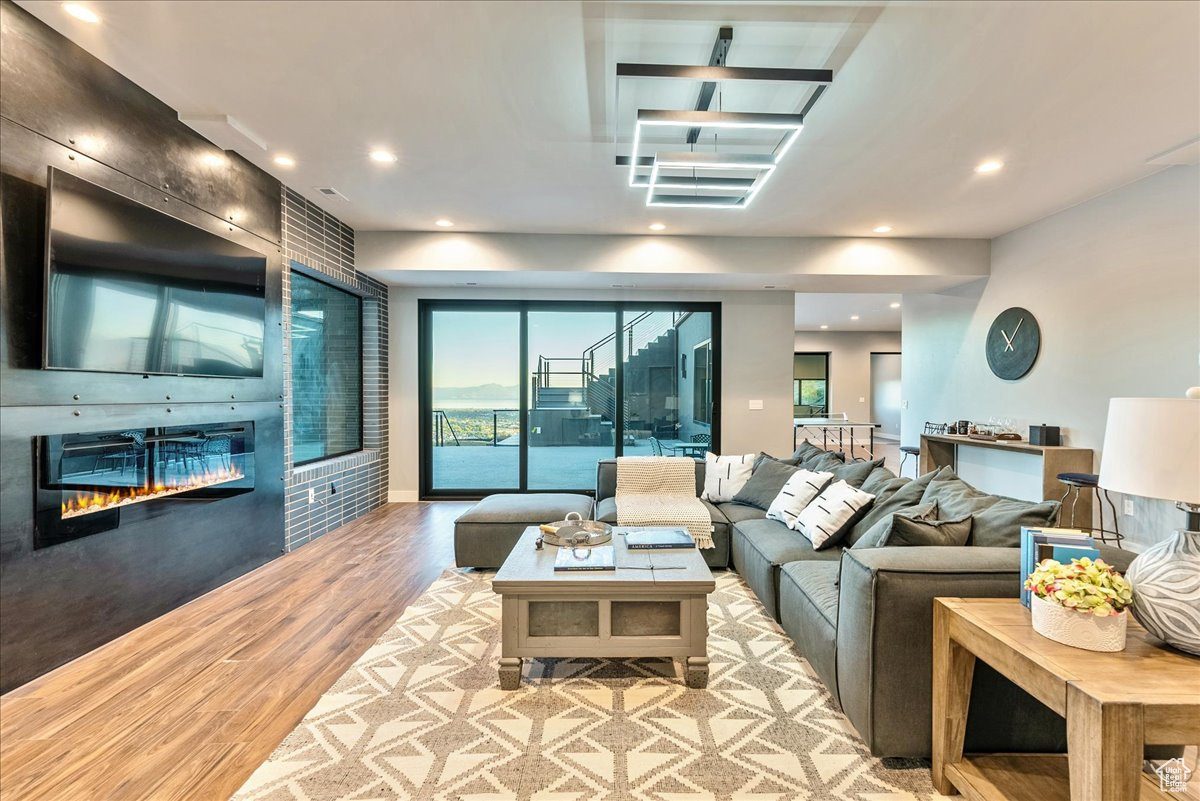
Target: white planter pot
[{"x": 1077, "y": 629}]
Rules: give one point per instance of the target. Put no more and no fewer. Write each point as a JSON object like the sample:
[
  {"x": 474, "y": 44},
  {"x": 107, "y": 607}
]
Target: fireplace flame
[{"x": 87, "y": 502}]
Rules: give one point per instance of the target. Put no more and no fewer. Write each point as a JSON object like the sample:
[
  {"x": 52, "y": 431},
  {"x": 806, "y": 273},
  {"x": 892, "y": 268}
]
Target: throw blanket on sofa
[{"x": 661, "y": 491}]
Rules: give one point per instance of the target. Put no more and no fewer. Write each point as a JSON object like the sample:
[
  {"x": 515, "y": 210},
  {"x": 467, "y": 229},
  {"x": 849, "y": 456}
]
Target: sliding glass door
[
  {"x": 572, "y": 397},
  {"x": 525, "y": 395},
  {"x": 472, "y": 419}
]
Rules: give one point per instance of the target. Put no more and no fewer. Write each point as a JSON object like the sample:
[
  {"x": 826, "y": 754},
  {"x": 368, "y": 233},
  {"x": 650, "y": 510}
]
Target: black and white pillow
[
  {"x": 724, "y": 476},
  {"x": 828, "y": 516},
  {"x": 797, "y": 493}
]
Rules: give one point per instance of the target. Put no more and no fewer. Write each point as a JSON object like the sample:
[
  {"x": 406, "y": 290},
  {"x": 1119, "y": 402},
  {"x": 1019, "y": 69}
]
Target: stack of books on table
[
  {"x": 654, "y": 539},
  {"x": 1060, "y": 544}
]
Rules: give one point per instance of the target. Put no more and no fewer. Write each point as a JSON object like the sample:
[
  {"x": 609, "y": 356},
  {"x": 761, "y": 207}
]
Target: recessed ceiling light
[
  {"x": 893, "y": 305},
  {"x": 882, "y": 229},
  {"x": 991, "y": 165},
  {"x": 81, "y": 12},
  {"x": 285, "y": 161},
  {"x": 213, "y": 160},
  {"x": 383, "y": 157},
  {"x": 444, "y": 223},
  {"x": 824, "y": 327},
  {"x": 854, "y": 317},
  {"x": 657, "y": 227}
]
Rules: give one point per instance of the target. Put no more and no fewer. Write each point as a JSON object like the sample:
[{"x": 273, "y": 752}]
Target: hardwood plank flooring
[{"x": 187, "y": 706}]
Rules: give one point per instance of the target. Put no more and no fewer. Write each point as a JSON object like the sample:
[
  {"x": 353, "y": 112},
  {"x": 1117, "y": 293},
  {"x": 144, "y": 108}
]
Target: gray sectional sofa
[{"x": 863, "y": 617}]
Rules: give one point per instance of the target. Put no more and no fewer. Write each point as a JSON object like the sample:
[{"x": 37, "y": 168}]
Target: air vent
[{"x": 329, "y": 191}]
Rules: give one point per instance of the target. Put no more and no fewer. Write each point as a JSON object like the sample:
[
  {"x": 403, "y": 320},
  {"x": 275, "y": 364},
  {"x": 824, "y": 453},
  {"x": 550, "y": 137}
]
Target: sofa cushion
[
  {"x": 882, "y": 529},
  {"x": 819, "y": 582},
  {"x": 823, "y": 462},
  {"x": 956, "y": 497},
  {"x": 806, "y": 451},
  {"x": 527, "y": 508},
  {"x": 765, "y": 482},
  {"x": 999, "y": 525},
  {"x": 881, "y": 483},
  {"x": 760, "y": 547},
  {"x": 737, "y": 512},
  {"x": 808, "y": 601},
  {"x": 907, "y": 530},
  {"x": 907, "y": 495},
  {"x": 855, "y": 473},
  {"x": 486, "y": 533},
  {"x": 832, "y": 513},
  {"x": 795, "y": 495},
  {"x": 724, "y": 476}
]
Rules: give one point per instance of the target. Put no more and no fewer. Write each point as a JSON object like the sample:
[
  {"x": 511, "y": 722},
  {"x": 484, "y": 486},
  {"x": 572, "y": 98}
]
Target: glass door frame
[{"x": 426, "y": 307}]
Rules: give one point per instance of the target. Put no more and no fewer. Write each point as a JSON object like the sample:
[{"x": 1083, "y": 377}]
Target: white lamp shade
[{"x": 1152, "y": 448}]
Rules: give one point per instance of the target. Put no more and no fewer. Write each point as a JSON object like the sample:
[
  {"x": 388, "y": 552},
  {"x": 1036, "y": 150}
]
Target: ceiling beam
[{"x": 707, "y": 89}]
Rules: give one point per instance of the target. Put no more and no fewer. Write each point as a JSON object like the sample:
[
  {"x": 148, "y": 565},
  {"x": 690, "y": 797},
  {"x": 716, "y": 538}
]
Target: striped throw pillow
[
  {"x": 831, "y": 513},
  {"x": 724, "y": 476},
  {"x": 797, "y": 493}
]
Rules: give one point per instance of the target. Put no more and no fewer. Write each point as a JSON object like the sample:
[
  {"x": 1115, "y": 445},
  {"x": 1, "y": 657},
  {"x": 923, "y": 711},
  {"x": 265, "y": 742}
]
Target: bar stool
[
  {"x": 909, "y": 450},
  {"x": 1077, "y": 481}
]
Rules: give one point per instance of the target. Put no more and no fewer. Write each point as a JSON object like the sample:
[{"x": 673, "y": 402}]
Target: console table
[
  {"x": 1045, "y": 461},
  {"x": 1114, "y": 704}
]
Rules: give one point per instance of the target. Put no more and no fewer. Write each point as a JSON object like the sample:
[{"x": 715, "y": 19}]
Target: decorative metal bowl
[{"x": 574, "y": 532}]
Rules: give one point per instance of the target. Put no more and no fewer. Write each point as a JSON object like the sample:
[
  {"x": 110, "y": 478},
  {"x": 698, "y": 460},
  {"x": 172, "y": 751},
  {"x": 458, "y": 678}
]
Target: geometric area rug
[{"x": 421, "y": 716}]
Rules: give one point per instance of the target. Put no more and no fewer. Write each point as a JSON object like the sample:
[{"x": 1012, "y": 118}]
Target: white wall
[
  {"x": 756, "y": 327},
  {"x": 1115, "y": 286},
  {"x": 849, "y": 365}
]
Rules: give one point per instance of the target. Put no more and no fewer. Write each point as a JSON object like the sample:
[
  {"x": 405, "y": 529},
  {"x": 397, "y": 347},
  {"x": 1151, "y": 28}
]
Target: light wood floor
[{"x": 188, "y": 705}]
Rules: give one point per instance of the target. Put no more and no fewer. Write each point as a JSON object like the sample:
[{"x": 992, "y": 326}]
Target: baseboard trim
[{"x": 403, "y": 496}]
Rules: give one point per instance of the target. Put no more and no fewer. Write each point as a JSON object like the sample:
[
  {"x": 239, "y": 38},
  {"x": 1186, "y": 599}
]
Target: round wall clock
[{"x": 1013, "y": 343}]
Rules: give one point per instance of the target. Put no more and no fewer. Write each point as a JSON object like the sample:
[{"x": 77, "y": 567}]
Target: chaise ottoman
[{"x": 486, "y": 533}]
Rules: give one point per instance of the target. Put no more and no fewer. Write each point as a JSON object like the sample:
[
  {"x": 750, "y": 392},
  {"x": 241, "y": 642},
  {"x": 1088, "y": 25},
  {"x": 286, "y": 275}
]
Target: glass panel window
[
  {"x": 326, "y": 343},
  {"x": 475, "y": 421}
]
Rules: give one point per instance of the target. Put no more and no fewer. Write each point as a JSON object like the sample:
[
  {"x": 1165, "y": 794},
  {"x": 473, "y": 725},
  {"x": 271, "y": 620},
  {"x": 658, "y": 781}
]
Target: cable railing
[{"x": 445, "y": 434}]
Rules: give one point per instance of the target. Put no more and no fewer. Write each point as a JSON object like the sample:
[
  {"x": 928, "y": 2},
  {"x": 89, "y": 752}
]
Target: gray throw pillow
[
  {"x": 907, "y": 495},
  {"x": 879, "y": 479},
  {"x": 911, "y": 531},
  {"x": 878, "y": 533},
  {"x": 806, "y": 451},
  {"x": 956, "y": 498},
  {"x": 999, "y": 525},
  {"x": 823, "y": 462},
  {"x": 764, "y": 483},
  {"x": 855, "y": 473}
]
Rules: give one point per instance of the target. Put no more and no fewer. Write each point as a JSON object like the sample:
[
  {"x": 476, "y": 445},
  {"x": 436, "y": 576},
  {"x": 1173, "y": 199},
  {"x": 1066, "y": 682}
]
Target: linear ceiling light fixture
[
  {"x": 714, "y": 180},
  {"x": 761, "y": 164}
]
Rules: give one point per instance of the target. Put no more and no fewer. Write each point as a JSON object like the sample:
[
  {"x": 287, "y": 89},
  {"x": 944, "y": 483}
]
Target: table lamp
[{"x": 1152, "y": 449}]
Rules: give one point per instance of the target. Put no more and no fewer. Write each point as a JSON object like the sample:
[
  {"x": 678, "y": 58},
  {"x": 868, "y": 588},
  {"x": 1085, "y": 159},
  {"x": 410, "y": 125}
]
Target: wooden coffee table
[
  {"x": 632, "y": 611},
  {"x": 1114, "y": 704}
]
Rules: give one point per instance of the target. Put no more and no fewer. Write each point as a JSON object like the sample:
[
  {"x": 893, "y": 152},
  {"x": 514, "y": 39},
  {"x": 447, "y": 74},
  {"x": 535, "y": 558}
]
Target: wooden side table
[{"x": 1114, "y": 704}]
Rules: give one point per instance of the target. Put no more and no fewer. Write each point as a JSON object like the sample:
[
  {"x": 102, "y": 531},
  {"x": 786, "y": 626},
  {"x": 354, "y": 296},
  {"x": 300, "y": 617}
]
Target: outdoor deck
[{"x": 495, "y": 467}]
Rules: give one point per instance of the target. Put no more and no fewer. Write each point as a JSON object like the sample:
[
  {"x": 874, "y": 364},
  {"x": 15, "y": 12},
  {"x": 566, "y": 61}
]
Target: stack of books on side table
[{"x": 1060, "y": 544}]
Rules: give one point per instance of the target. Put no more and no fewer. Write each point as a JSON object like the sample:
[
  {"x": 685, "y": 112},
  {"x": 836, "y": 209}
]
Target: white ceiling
[
  {"x": 874, "y": 312},
  {"x": 500, "y": 111}
]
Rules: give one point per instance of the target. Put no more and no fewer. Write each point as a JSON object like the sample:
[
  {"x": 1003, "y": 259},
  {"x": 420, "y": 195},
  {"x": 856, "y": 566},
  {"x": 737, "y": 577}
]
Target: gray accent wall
[
  {"x": 346, "y": 487},
  {"x": 1114, "y": 283}
]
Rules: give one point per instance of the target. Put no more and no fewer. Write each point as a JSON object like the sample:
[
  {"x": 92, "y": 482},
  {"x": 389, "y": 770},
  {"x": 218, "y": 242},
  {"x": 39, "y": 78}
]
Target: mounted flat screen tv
[{"x": 130, "y": 289}]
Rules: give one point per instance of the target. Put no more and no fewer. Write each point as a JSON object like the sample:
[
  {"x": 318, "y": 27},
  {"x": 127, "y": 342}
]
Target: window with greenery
[
  {"x": 326, "y": 370},
  {"x": 810, "y": 392}
]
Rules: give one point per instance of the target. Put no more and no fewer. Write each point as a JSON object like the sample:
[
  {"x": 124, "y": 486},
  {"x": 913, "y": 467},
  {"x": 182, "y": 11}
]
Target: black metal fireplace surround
[{"x": 121, "y": 496}]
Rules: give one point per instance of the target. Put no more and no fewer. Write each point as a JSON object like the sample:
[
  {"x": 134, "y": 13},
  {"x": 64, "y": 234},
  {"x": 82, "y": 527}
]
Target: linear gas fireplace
[{"x": 87, "y": 482}]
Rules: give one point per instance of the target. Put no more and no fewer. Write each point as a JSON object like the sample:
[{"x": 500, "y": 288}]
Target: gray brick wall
[{"x": 346, "y": 487}]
